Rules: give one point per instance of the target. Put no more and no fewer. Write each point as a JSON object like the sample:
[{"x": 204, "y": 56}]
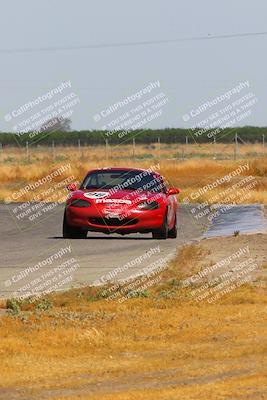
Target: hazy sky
[{"x": 189, "y": 72}]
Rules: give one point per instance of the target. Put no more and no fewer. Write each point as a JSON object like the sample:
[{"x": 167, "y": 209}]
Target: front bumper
[{"x": 110, "y": 220}]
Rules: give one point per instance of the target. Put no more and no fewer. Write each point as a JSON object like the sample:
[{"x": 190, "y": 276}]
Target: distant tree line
[{"x": 248, "y": 134}]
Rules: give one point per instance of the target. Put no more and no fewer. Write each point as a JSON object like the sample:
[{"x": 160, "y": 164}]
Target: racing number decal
[{"x": 96, "y": 195}]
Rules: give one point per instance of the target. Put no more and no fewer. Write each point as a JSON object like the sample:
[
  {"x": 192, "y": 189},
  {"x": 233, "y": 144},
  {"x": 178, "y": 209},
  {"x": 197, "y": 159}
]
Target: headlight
[
  {"x": 80, "y": 203},
  {"x": 153, "y": 205}
]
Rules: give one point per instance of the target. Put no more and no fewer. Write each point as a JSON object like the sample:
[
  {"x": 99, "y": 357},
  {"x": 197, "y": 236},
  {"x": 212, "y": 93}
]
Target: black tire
[
  {"x": 71, "y": 232},
  {"x": 162, "y": 232},
  {"x": 173, "y": 232}
]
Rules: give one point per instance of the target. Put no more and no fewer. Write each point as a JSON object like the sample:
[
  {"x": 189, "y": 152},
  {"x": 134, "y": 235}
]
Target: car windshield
[{"x": 122, "y": 179}]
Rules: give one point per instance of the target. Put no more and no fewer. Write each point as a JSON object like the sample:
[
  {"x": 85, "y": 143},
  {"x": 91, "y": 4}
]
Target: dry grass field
[
  {"x": 163, "y": 345},
  {"x": 188, "y": 170}
]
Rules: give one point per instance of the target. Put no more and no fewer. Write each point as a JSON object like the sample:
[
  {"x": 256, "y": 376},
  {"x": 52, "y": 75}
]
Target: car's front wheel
[
  {"x": 71, "y": 232},
  {"x": 162, "y": 232},
  {"x": 173, "y": 232}
]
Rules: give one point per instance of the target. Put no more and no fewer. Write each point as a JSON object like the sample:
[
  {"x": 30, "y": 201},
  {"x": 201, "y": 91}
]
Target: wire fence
[{"x": 238, "y": 148}]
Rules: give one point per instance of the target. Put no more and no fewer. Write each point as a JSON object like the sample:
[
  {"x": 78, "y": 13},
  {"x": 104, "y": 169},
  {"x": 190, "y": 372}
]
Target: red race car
[{"x": 121, "y": 200}]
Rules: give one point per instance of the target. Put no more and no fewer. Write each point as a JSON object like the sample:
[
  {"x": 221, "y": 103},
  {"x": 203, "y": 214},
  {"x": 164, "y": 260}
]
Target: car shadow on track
[{"x": 103, "y": 238}]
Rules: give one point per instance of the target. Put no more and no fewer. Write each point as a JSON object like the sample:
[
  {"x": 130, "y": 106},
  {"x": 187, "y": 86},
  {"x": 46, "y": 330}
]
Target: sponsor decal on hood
[{"x": 119, "y": 201}]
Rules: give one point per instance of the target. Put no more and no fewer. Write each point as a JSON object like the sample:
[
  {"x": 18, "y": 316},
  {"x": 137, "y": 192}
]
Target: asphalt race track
[
  {"x": 30, "y": 250},
  {"x": 23, "y": 246}
]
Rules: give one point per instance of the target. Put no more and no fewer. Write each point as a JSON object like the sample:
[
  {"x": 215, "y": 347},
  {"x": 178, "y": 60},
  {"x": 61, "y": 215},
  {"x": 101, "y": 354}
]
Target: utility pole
[
  {"x": 53, "y": 150},
  {"x": 79, "y": 147},
  {"x": 214, "y": 148},
  {"x": 263, "y": 140},
  {"x": 134, "y": 149},
  {"x": 106, "y": 141},
  {"x": 27, "y": 152},
  {"x": 236, "y": 147},
  {"x": 159, "y": 146},
  {"x": 186, "y": 144}
]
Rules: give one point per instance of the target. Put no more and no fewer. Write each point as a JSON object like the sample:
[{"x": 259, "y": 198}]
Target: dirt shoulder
[{"x": 253, "y": 246}]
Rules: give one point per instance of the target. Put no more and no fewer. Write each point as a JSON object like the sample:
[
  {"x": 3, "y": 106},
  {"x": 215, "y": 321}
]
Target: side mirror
[
  {"x": 173, "y": 191},
  {"x": 72, "y": 187}
]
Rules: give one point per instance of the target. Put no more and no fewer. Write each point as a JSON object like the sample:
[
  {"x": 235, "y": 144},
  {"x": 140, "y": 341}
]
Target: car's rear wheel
[
  {"x": 162, "y": 232},
  {"x": 72, "y": 232},
  {"x": 173, "y": 232}
]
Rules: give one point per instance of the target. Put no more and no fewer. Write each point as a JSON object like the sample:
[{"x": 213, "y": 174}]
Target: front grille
[{"x": 113, "y": 221}]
